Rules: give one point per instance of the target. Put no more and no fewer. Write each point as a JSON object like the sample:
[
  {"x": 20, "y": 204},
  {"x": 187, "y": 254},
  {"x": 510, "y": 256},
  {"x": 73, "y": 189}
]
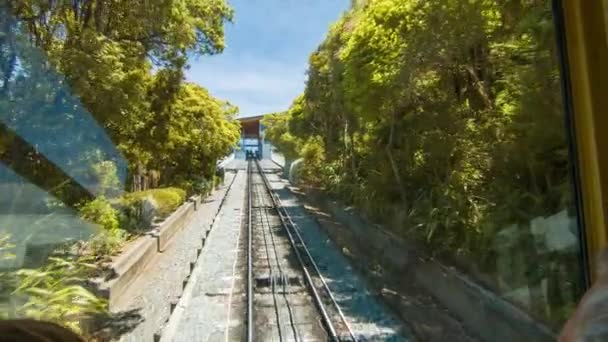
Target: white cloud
[
  {"x": 256, "y": 87},
  {"x": 256, "y": 82},
  {"x": 263, "y": 66}
]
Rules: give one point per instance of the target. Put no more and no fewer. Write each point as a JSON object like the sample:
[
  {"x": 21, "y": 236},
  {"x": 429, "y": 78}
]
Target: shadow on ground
[
  {"x": 369, "y": 317},
  {"x": 428, "y": 320},
  {"x": 111, "y": 327}
]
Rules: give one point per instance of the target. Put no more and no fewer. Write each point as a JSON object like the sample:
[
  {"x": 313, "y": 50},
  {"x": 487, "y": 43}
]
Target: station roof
[{"x": 251, "y": 118}]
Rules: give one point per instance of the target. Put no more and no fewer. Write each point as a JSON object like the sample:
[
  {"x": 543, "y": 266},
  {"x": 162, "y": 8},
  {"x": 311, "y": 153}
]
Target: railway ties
[
  {"x": 288, "y": 299},
  {"x": 256, "y": 279}
]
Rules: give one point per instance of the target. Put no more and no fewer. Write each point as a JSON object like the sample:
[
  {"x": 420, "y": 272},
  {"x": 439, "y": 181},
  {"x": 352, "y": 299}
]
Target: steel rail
[
  {"x": 252, "y": 195},
  {"x": 270, "y": 270},
  {"x": 331, "y": 330},
  {"x": 318, "y": 271},
  {"x": 249, "y": 260},
  {"x": 278, "y": 264}
]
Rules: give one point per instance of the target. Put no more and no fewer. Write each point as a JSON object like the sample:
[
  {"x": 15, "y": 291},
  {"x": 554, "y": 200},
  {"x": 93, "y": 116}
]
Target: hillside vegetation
[
  {"x": 93, "y": 98},
  {"x": 443, "y": 120}
]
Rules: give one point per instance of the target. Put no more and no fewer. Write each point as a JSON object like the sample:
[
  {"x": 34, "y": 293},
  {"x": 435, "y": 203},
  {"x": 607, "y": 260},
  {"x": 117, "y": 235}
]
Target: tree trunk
[
  {"x": 286, "y": 167},
  {"x": 353, "y": 156},
  {"x": 394, "y": 165},
  {"x": 480, "y": 86}
]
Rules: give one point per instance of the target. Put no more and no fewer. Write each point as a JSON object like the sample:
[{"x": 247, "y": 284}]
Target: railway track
[
  {"x": 287, "y": 297},
  {"x": 257, "y": 280}
]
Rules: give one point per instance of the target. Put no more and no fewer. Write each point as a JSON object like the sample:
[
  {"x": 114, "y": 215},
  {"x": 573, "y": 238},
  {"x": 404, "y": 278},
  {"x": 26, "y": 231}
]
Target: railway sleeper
[
  {"x": 278, "y": 280},
  {"x": 262, "y": 206}
]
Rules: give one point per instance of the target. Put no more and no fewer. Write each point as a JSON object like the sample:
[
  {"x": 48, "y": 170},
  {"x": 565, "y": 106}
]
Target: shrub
[
  {"x": 109, "y": 240},
  {"x": 205, "y": 186},
  {"x": 107, "y": 243},
  {"x": 100, "y": 211},
  {"x": 6, "y": 278},
  {"x": 55, "y": 293},
  {"x": 198, "y": 185},
  {"x": 167, "y": 200},
  {"x": 106, "y": 175}
]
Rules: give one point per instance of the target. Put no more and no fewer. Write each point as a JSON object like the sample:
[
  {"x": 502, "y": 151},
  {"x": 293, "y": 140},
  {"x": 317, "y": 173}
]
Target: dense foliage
[
  {"x": 123, "y": 61},
  {"x": 55, "y": 292},
  {"x": 442, "y": 119},
  {"x": 165, "y": 200},
  {"x": 90, "y": 89}
]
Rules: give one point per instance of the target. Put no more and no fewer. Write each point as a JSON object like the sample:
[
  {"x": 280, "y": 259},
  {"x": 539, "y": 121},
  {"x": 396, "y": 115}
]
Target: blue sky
[{"x": 263, "y": 67}]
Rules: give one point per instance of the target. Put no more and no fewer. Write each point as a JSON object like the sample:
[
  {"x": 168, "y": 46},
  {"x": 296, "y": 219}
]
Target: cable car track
[{"x": 267, "y": 206}]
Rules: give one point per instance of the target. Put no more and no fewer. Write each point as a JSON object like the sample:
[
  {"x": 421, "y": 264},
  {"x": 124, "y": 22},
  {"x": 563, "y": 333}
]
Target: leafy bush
[
  {"x": 107, "y": 178},
  {"x": 100, "y": 211},
  {"x": 205, "y": 186},
  {"x": 55, "y": 293},
  {"x": 167, "y": 199},
  {"x": 131, "y": 205},
  {"x": 6, "y": 247},
  {"x": 200, "y": 185},
  {"x": 108, "y": 241},
  {"x": 217, "y": 181},
  {"x": 313, "y": 153},
  {"x": 277, "y": 131},
  {"x": 6, "y": 278}
]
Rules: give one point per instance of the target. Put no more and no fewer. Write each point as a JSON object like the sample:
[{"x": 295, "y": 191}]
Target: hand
[{"x": 590, "y": 319}]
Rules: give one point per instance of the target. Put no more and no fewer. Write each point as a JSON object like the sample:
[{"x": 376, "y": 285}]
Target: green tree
[
  {"x": 107, "y": 51},
  {"x": 441, "y": 118},
  {"x": 201, "y": 129}
]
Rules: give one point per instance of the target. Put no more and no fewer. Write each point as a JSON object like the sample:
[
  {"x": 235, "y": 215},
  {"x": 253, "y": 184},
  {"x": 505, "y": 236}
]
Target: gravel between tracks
[
  {"x": 369, "y": 318},
  {"x": 429, "y": 320}
]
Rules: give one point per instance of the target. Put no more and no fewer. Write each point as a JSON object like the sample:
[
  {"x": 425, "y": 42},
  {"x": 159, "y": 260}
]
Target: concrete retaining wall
[
  {"x": 126, "y": 267},
  {"x": 166, "y": 230},
  {"x": 483, "y": 312}
]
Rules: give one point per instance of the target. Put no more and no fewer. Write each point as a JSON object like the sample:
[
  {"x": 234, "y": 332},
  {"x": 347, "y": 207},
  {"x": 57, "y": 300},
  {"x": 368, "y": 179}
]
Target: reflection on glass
[
  {"x": 101, "y": 139},
  {"x": 440, "y": 119},
  {"x": 58, "y": 168},
  {"x": 37, "y": 105},
  {"x": 33, "y": 223},
  {"x": 537, "y": 264}
]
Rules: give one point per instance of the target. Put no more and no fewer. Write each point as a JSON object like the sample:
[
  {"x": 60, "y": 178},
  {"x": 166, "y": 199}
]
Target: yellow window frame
[{"x": 585, "y": 31}]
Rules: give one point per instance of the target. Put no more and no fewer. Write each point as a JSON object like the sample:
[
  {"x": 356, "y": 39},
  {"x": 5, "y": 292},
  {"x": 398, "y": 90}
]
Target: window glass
[
  {"x": 440, "y": 120},
  {"x": 444, "y": 121}
]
